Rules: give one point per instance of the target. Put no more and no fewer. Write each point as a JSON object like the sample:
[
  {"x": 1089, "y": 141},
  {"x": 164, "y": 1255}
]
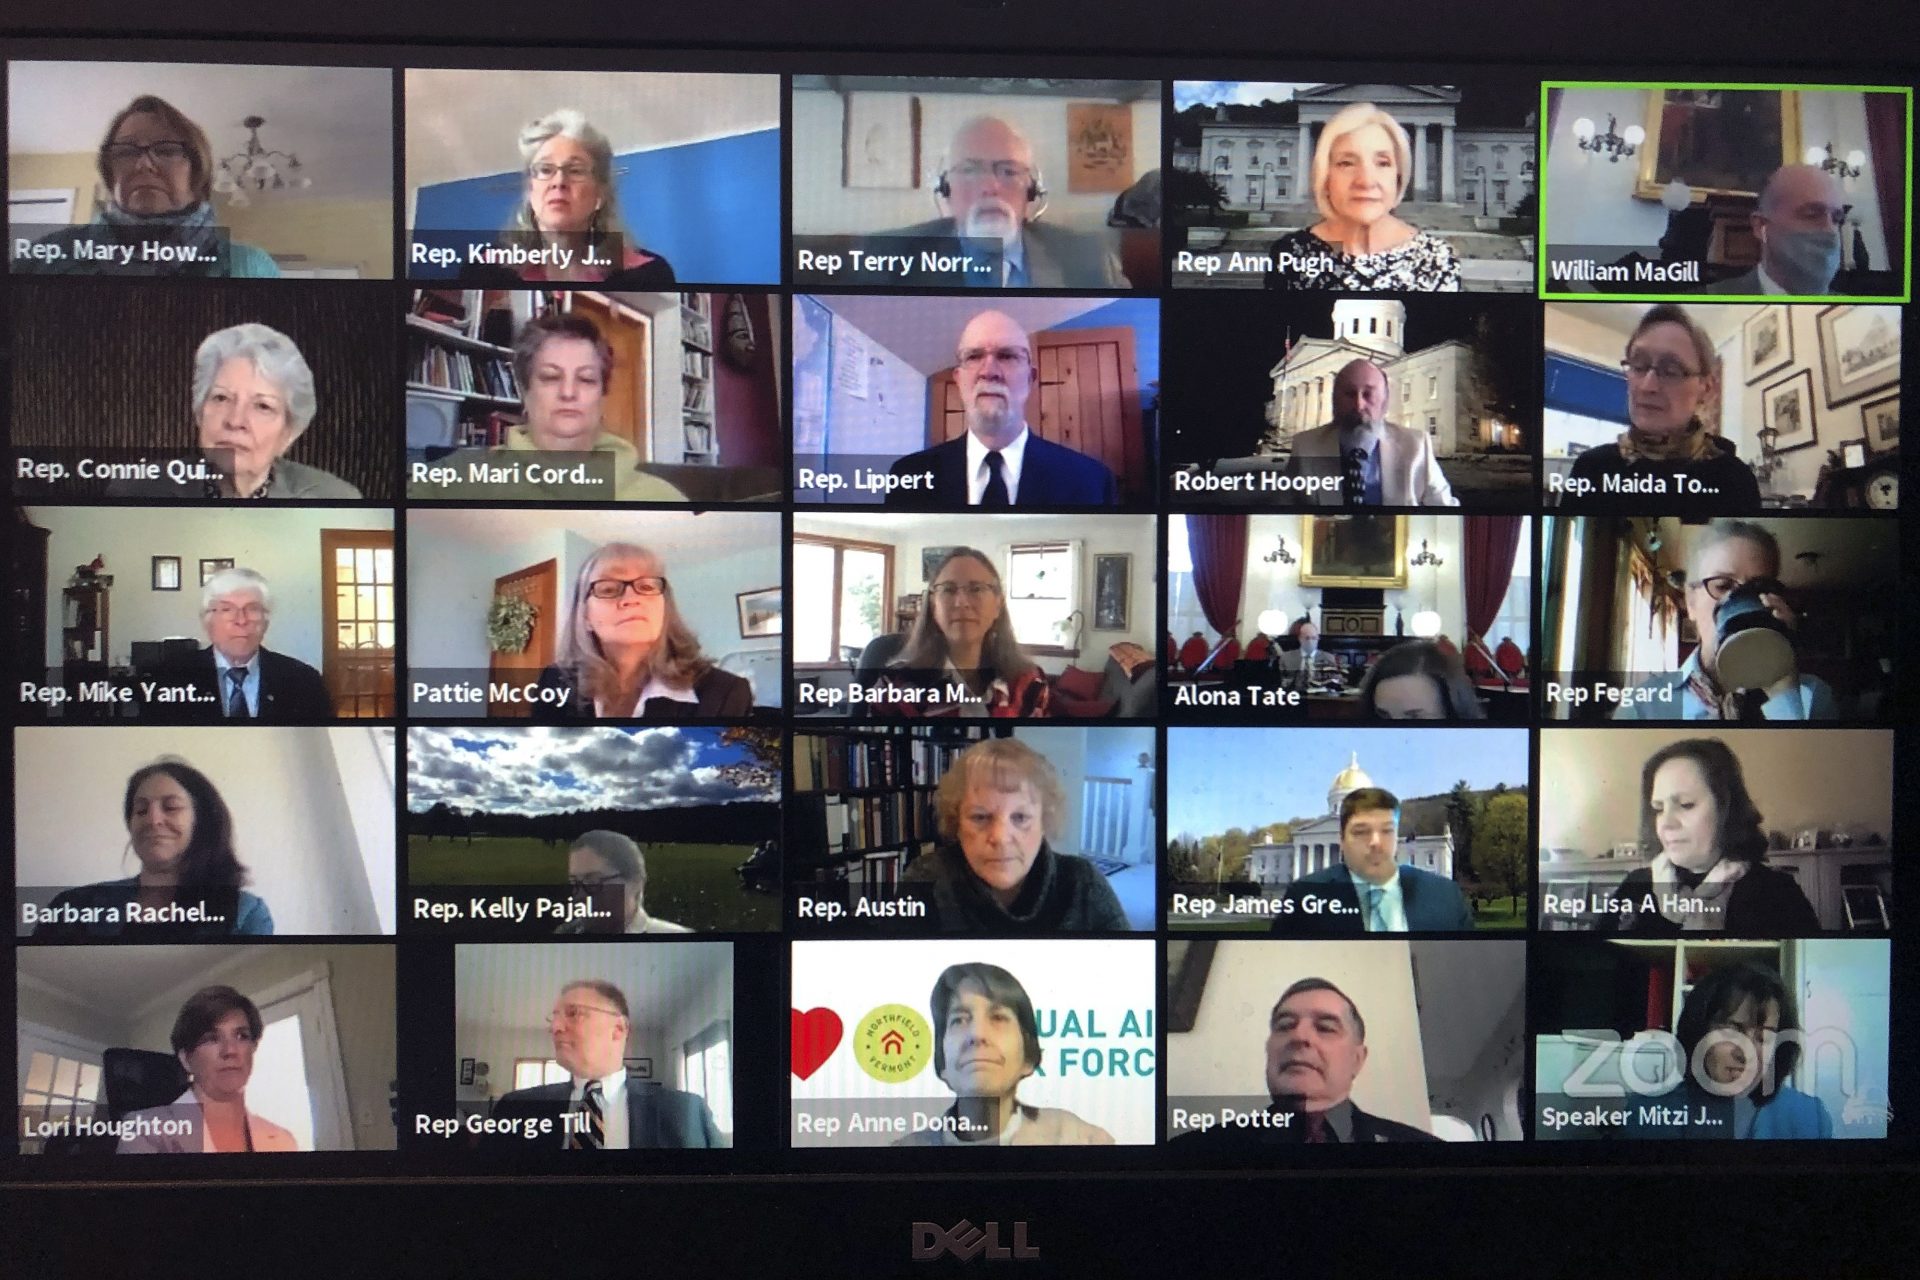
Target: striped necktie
[
  {"x": 592, "y": 1134},
  {"x": 1376, "y": 916},
  {"x": 237, "y": 708}
]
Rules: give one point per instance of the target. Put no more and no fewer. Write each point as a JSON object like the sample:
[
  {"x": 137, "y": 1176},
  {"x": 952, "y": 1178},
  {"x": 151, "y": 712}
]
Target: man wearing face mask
[
  {"x": 1375, "y": 462},
  {"x": 1306, "y": 664},
  {"x": 1797, "y": 222},
  {"x": 992, "y": 192}
]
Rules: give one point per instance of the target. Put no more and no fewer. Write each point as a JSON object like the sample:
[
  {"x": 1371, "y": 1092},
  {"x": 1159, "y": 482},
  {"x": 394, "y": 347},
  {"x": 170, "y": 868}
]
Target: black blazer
[
  {"x": 720, "y": 693},
  {"x": 1434, "y": 904},
  {"x": 1223, "y": 1140},
  {"x": 1766, "y": 903},
  {"x": 1051, "y": 475},
  {"x": 657, "y": 1117},
  {"x": 291, "y": 692}
]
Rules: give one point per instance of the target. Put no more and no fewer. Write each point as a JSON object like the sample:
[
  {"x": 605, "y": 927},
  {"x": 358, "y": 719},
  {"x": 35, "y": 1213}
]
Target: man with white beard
[{"x": 992, "y": 191}]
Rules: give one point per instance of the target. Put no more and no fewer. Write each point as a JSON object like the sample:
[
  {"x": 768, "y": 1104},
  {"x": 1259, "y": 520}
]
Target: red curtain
[
  {"x": 1491, "y": 543},
  {"x": 1887, "y": 153},
  {"x": 1219, "y": 548}
]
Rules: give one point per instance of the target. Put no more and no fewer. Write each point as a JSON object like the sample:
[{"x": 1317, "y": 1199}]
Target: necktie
[
  {"x": 1353, "y": 477},
  {"x": 1376, "y": 917},
  {"x": 1016, "y": 274},
  {"x": 1316, "y": 1129},
  {"x": 995, "y": 494},
  {"x": 237, "y": 695},
  {"x": 593, "y": 1133}
]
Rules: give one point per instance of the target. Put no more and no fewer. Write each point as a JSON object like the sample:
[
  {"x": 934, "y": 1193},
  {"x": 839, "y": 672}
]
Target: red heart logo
[{"x": 816, "y": 1034}]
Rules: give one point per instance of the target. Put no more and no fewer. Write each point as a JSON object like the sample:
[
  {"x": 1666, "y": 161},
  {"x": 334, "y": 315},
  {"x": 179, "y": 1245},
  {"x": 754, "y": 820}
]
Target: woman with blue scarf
[{"x": 156, "y": 167}]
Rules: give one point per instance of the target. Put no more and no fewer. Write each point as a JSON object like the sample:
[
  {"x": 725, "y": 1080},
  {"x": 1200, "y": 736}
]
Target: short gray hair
[
  {"x": 574, "y": 125},
  {"x": 228, "y": 581},
  {"x": 276, "y": 358},
  {"x": 1354, "y": 116},
  {"x": 621, "y": 853},
  {"x": 1738, "y": 531}
]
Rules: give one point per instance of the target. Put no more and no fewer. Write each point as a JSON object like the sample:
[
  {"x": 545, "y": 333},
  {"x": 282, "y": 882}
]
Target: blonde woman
[
  {"x": 570, "y": 201},
  {"x": 963, "y": 639},
  {"x": 627, "y": 654},
  {"x": 1361, "y": 168}
]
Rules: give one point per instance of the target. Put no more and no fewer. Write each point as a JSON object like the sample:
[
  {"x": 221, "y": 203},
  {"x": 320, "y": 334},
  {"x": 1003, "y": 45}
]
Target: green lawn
[
  {"x": 1505, "y": 913},
  {"x": 689, "y": 884}
]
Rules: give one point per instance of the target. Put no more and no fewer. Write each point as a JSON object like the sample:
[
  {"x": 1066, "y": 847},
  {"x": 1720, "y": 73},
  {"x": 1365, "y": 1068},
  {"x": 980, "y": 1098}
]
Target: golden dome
[{"x": 1351, "y": 778}]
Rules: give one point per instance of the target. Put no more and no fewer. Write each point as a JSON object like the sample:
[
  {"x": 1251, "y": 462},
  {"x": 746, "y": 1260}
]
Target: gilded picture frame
[{"x": 1351, "y": 551}]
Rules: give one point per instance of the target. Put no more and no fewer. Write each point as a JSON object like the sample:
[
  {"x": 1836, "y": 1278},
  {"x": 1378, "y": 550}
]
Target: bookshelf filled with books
[
  {"x": 696, "y": 379},
  {"x": 862, "y": 806},
  {"x": 460, "y": 360}
]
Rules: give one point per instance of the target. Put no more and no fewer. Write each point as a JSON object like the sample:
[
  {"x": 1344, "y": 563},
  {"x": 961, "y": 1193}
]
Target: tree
[
  {"x": 760, "y": 743},
  {"x": 1193, "y": 198},
  {"x": 1461, "y": 807},
  {"x": 1501, "y": 843}
]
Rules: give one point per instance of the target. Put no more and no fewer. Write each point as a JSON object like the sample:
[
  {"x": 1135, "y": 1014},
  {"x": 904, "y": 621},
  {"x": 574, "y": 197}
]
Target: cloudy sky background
[
  {"x": 538, "y": 769},
  {"x": 1242, "y": 92}
]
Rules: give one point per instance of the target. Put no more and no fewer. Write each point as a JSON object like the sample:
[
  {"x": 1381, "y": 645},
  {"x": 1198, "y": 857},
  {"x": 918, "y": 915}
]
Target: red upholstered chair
[
  {"x": 1229, "y": 652},
  {"x": 1446, "y": 646},
  {"x": 1479, "y": 664},
  {"x": 1173, "y": 652},
  {"x": 1511, "y": 657},
  {"x": 1257, "y": 651},
  {"x": 1193, "y": 652}
]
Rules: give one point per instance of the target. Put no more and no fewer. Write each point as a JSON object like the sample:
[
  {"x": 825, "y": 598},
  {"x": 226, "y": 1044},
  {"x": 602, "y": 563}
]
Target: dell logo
[{"x": 966, "y": 1242}]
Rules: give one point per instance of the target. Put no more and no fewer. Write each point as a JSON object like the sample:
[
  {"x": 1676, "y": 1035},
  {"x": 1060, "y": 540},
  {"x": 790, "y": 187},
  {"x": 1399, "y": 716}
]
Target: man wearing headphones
[{"x": 991, "y": 191}]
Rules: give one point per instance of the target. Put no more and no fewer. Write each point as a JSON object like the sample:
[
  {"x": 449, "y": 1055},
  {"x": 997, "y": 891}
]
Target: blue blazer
[
  {"x": 1434, "y": 904},
  {"x": 1051, "y": 475}
]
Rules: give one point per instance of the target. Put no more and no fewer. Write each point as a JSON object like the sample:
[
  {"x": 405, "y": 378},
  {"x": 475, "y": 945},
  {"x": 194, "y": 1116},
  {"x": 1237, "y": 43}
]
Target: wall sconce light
[
  {"x": 1851, "y": 167},
  {"x": 1280, "y": 554},
  {"x": 1613, "y": 144},
  {"x": 1424, "y": 557}
]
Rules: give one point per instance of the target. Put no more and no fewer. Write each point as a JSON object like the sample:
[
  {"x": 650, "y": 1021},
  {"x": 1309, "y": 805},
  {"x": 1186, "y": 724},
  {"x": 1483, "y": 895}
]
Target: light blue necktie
[{"x": 1376, "y": 918}]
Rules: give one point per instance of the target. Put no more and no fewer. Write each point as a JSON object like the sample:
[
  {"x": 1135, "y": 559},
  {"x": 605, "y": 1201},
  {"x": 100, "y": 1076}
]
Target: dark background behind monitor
[{"x": 1782, "y": 1212}]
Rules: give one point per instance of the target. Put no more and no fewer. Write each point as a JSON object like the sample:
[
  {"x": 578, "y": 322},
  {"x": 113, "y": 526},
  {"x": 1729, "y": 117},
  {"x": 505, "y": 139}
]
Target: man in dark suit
[
  {"x": 235, "y": 677},
  {"x": 1798, "y": 221},
  {"x": 1000, "y": 463},
  {"x": 600, "y": 1108},
  {"x": 1370, "y": 891},
  {"x": 1316, "y": 1047},
  {"x": 991, "y": 191}
]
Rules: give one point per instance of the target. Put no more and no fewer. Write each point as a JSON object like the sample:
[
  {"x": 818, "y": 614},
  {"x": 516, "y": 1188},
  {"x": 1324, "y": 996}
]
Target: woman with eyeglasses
[
  {"x": 627, "y": 654},
  {"x": 1739, "y": 1039},
  {"x": 602, "y": 862},
  {"x": 156, "y": 173},
  {"x": 570, "y": 203},
  {"x": 1666, "y": 459},
  {"x": 961, "y": 659},
  {"x": 1726, "y": 556},
  {"x": 1709, "y": 872}
]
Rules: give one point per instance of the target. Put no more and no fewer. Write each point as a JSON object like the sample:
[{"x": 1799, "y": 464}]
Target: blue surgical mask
[{"x": 1803, "y": 261}]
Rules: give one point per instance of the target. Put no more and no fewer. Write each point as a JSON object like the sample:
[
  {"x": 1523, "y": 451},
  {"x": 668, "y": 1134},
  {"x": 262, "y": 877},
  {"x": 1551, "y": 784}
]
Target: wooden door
[
  {"x": 625, "y": 410},
  {"x": 357, "y": 614},
  {"x": 538, "y": 585},
  {"x": 1086, "y": 396}
]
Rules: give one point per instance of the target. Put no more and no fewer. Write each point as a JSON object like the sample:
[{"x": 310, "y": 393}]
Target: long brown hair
[
  {"x": 675, "y": 658},
  {"x": 926, "y": 646}
]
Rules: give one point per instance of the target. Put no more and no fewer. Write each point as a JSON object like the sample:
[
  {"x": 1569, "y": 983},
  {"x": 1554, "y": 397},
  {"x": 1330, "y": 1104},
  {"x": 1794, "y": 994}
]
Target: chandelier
[{"x": 257, "y": 169}]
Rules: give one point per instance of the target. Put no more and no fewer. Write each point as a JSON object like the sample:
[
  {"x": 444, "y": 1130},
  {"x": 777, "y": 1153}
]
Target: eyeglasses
[
  {"x": 1009, "y": 171},
  {"x": 1664, "y": 370},
  {"x": 578, "y": 883},
  {"x": 577, "y": 1012},
  {"x": 1719, "y": 586},
  {"x": 947, "y": 592},
  {"x": 547, "y": 171},
  {"x": 122, "y": 154},
  {"x": 228, "y": 612},
  {"x": 614, "y": 588},
  {"x": 973, "y": 359}
]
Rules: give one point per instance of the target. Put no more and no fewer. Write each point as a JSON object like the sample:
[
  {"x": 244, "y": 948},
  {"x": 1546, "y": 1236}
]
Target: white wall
[
  {"x": 821, "y": 206},
  {"x": 1277, "y": 586},
  {"x": 1841, "y": 119},
  {"x": 711, "y": 1002},
  {"x": 1225, "y": 1053},
  {"x": 323, "y": 863},
  {"x": 890, "y": 418},
  {"x": 1081, "y": 752},
  {"x": 283, "y": 545},
  {"x": 1590, "y": 780},
  {"x": 1590, "y": 198}
]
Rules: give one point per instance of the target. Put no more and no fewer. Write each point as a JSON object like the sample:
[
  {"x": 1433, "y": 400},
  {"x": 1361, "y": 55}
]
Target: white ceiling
[
  {"x": 338, "y": 120},
  {"x": 124, "y": 980},
  {"x": 463, "y": 124},
  {"x": 925, "y": 332},
  {"x": 703, "y": 535},
  {"x": 512, "y": 986},
  {"x": 1465, "y": 990}
]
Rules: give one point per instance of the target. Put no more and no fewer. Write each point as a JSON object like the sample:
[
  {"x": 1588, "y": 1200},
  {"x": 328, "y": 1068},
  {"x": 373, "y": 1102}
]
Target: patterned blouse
[{"x": 1424, "y": 264}]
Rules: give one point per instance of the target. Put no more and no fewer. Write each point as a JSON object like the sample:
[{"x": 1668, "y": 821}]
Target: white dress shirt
[
  {"x": 1011, "y": 459},
  {"x": 249, "y": 687},
  {"x": 655, "y": 688},
  {"x": 613, "y": 1103}
]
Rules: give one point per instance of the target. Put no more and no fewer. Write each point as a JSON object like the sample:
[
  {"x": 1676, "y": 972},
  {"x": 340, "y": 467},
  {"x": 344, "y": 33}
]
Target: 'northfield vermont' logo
[
  {"x": 966, "y": 1242},
  {"x": 893, "y": 1043}
]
